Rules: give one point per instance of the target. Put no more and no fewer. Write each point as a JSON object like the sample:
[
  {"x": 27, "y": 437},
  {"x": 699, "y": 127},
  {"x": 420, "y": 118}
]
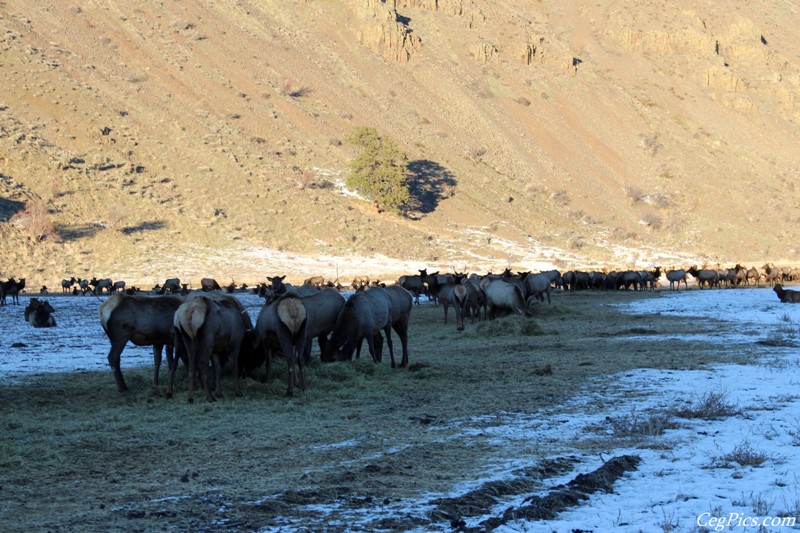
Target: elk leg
[
  {"x": 373, "y": 350},
  {"x": 113, "y": 361},
  {"x": 217, "y": 368},
  {"x": 157, "y": 348},
  {"x": 388, "y": 331}
]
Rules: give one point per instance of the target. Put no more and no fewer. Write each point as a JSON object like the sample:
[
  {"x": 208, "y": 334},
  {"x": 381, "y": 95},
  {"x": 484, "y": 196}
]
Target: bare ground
[{"x": 344, "y": 454}]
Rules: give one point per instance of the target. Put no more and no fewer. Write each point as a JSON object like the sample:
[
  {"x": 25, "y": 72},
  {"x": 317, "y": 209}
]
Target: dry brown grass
[{"x": 358, "y": 436}]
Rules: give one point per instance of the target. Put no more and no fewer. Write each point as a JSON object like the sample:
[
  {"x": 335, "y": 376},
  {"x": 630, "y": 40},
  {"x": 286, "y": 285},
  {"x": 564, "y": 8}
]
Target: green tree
[{"x": 380, "y": 171}]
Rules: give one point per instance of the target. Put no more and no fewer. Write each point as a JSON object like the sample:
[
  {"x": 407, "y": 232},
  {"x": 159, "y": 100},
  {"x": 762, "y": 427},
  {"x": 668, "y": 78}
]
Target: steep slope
[{"x": 208, "y": 138}]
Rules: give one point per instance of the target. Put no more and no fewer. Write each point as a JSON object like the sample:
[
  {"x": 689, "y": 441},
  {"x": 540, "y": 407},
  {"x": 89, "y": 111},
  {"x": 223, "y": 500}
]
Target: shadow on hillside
[
  {"x": 78, "y": 231},
  {"x": 8, "y": 208},
  {"x": 429, "y": 183},
  {"x": 145, "y": 226}
]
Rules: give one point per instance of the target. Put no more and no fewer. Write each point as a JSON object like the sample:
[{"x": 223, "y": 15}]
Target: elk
[{"x": 143, "y": 320}]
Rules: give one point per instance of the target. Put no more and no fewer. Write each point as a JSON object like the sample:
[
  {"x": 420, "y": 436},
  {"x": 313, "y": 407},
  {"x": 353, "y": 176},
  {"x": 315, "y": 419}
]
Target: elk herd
[{"x": 209, "y": 328}]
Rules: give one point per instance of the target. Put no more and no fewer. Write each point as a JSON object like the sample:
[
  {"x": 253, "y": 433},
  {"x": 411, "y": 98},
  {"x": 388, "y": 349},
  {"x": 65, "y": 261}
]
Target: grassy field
[{"x": 77, "y": 455}]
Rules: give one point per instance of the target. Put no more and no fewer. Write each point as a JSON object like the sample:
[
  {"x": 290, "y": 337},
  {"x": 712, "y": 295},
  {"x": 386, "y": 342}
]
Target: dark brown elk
[
  {"x": 630, "y": 279},
  {"x": 66, "y": 284},
  {"x": 98, "y": 285},
  {"x": 786, "y": 295},
  {"x": 402, "y": 302},
  {"x": 281, "y": 325},
  {"x": 504, "y": 297},
  {"x": 364, "y": 316},
  {"x": 118, "y": 286},
  {"x": 143, "y": 320},
  {"x": 706, "y": 277},
  {"x": 414, "y": 283},
  {"x": 171, "y": 285},
  {"x": 209, "y": 284},
  {"x": 83, "y": 284},
  {"x": 38, "y": 314},
  {"x": 11, "y": 287},
  {"x": 675, "y": 276},
  {"x": 649, "y": 278},
  {"x": 538, "y": 286},
  {"x": 277, "y": 285},
  {"x": 210, "y": 328},
  {"x": 322, "y": 310}
]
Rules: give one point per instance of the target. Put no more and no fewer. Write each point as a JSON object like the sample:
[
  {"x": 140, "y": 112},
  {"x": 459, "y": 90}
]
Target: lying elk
[
  {"x": 209, "y": 284},
  {"x": 38, "y": 314},
  {"x": 317, "y": 281},
  {"x": 143, "y": 320},
  {"x": 209, "y": 328},
  {"x": 786, "y": 295}
]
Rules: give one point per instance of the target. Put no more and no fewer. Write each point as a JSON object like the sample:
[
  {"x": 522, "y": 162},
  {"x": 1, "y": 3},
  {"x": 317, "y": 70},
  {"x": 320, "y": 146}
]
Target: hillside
[{"x": 208, "y": 138}]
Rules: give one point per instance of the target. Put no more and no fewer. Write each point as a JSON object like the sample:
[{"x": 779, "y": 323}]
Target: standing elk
[
  {"x": 118, "y": 286},
  {"x": 705, "y": 277},
  {"x": 143, "y": 320},
  {"x": 209, "y": 328},
  {"x": 538, "y": 286},
  {"x": 675, "y": 276},
  {"x": 322, "y": 310},
  {"x": 11, "y": 287},
  {"x": 99, "y": 284},
  {"x": 504, "y": 296},
  {"x": 414, "y": 283},
  {"x": 281, "y": 325},
  {"x": 66, "y": 284},
  {"x": 363, "y": 316}
]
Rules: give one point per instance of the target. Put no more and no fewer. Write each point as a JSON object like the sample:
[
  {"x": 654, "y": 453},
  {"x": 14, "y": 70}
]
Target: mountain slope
[{"x": 208, "y": 138}]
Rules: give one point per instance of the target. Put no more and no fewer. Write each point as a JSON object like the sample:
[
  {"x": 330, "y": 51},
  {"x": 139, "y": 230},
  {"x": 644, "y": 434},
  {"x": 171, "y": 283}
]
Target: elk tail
[{"x": 292, "y": 313}]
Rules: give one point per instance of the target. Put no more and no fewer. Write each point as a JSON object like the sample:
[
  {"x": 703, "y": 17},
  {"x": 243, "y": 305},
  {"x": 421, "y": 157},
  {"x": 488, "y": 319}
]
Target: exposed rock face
[{"x": 386, "y": 32}]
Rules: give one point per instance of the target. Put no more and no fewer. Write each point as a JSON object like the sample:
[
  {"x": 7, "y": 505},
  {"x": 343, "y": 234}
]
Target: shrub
[
  {"x": 380, "y": 171},
  {"x": 36, "y": 219}
]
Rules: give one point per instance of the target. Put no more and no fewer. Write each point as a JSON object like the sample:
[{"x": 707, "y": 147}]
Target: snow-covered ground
[{"x": 688, "y": 478}]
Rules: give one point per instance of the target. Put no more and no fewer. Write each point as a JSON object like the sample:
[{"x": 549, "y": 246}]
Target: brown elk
[
  {"x": 38, "y": 314},
  {"x": 143, "y": 320},
  {"x": 209, "y": 328},
  {"x": 786, "y": 295},
  {"x": 282, "y": 324},
  {"x": 503, "y": 296}
]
